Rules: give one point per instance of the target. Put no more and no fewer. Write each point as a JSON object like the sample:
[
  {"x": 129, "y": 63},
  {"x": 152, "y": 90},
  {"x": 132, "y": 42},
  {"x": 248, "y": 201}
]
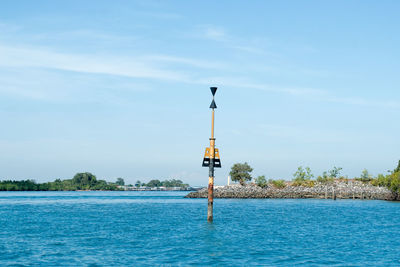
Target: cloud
[
  {"x": 42, "y": 80},
  {"x": 58, "y": 86},
  {"x": 248, "y": 45},
  {"x": 40, "y": 58},
  {"x": 83, "y": 36},
  {"x": 308, "y": 135},
  {"x": 205, "y": 64},
  {"x": 238, "y": 82},
  {"x": 214, "y": 33},
  {"x": 163, "y": 15},
  {"x": 364, "y": 102},
  {"x": 253, "y": 50},
  {"x": 149, "y": 67},
  {"x": 312, "y": 94}
]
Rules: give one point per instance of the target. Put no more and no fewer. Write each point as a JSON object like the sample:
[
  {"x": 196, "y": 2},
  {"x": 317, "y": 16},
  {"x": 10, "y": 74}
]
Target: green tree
[
  {"x": 103, "y": 185},
  {"x": 84, "y": 180},
  {"x": 120, "y": 181},
  {"x": 302, "y": 177},
  {"x": 240, "y": 172},
  {"x": 154, "y": 183},
  {"x": 302, "y": 174},
  {"x": 138, "y": 183},
  {"x": 365, "y": 176},
  {"x": 261, "y": 181},
  {"x": 335, "y": 172}
]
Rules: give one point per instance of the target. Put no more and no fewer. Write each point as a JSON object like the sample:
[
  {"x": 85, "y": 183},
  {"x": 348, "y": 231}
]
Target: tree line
[{"x": 81, "y": 181}]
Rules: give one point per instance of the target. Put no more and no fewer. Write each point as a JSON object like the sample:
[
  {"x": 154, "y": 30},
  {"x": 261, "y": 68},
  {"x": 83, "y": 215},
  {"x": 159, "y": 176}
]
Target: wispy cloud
[
  {"x": 312, "y": 134},
  {"x": 58, "y": 86},
  {"x": 213, "y": 32},
  {"x": 357, "y": 101},
  {"x": 37, "y": 65},
  {"x": 311, "y": 94},
  {"x": 220, "y": 34},
  {"x": 199, "y": 63},
  {"x": 163, "y": 15},
  {"x": 304, "y": 134},
  {"x": 238, "y": 82},
  {"x": 83, "y": 35},
  {"x": 135, "y": 68},
  {"x": 252, "y": 50},
  {"x": 149, "y": 67}
]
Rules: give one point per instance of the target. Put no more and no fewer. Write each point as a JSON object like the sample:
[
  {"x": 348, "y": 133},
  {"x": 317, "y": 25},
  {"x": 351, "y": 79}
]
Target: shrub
[
  {"x": 391, "y": 181},
  {"x": 381, "y": 180},
  {"x": 261, "y": 181},
  {"x": 277, "y": 183},
  {"x": 305, "y": 183},
  {"x": 365, "y": 176},
  {"x": 395, "y": 182},
  {"x": 324, "y": 178}
]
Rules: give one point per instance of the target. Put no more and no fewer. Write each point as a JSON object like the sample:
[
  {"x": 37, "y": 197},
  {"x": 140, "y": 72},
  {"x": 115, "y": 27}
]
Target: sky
[{"x": 121, "y": 88}]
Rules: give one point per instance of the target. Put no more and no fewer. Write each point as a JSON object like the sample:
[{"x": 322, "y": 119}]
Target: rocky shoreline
[{"x": 334, "y": 190}]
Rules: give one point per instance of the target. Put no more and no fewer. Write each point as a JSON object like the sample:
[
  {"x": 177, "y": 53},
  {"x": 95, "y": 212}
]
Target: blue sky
[{"x": 121, "y": 88}]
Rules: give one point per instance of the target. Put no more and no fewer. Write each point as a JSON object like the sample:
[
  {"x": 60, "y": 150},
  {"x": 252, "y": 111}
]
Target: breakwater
[{"x": 334, "y": 190}]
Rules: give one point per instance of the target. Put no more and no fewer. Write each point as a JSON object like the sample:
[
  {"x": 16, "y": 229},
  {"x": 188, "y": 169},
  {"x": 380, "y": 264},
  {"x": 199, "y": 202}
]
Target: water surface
[{"x": 163, "y": 228}]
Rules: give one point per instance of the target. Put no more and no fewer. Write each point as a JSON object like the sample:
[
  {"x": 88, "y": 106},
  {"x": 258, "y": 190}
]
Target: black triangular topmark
[
  {"x": 213, "y": 105},
  {"x": 213, "y": 90}
]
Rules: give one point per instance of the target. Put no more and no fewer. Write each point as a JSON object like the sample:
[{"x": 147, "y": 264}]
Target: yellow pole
[
  {"x": 211, "y": 173},
  {"x": 212, "y": 124},
  {"x": 209, "y": 160}
]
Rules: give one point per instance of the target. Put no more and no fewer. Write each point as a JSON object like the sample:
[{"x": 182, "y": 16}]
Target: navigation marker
[
  {"x": 211, "y": 160},
  {"x": 213, "y": 90},
  {"x": 213, "y": 105}
]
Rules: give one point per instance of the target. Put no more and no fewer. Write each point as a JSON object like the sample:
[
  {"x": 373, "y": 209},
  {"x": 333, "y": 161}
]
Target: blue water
[{"x": 163, "y": 228}]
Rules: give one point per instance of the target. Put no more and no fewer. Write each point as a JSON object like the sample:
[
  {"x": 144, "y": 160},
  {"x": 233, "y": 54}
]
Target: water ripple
[{"x": 163, "y": 228}]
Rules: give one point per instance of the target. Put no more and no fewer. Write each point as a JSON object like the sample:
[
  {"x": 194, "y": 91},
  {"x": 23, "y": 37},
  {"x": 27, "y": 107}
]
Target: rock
[{"x": 339, "y": 189}]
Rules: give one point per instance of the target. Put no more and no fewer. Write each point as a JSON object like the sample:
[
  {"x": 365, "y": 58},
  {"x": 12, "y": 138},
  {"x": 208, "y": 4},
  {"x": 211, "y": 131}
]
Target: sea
[{"x": 165, "y": 229}]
